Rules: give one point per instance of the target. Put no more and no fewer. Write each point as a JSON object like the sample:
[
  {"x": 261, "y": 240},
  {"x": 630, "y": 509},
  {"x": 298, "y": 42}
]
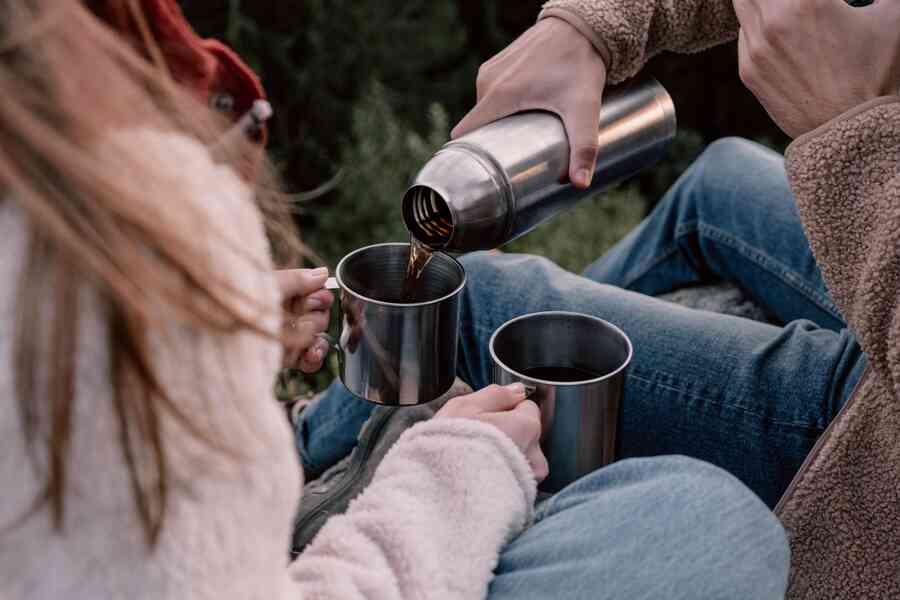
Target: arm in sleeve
[
  {"x": 447, "y": 497},
  {"x": 846, "y": 178},
  {"x": 628, "y": 33}
]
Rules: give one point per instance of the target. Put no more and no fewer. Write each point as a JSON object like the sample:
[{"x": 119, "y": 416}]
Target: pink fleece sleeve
[{"x": 447, "y": 497}]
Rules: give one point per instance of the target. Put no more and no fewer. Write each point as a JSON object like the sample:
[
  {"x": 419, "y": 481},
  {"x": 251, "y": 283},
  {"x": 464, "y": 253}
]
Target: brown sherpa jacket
[{"x": 842, "y": 510}]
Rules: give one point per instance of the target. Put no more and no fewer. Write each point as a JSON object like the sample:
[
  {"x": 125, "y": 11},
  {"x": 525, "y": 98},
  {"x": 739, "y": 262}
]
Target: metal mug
[
  {"x": 393, "y": 351},
  {"x": 578, "y": 418}
]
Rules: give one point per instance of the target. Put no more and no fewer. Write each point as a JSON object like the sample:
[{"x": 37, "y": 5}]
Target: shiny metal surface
[
  {"x": 396, "y": 348},
  {"x": 500, "y": 181},
  {"x": 578, "y": 418}
]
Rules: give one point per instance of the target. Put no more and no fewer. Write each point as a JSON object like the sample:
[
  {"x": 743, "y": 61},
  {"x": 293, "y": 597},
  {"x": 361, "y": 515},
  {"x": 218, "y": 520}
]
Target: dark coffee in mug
[{"x": 574, "y": 367}]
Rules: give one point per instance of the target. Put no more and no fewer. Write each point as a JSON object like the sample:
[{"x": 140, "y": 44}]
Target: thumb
[
  {"x": 300, "y": 282},
  {"x": 581, "y": 126}
]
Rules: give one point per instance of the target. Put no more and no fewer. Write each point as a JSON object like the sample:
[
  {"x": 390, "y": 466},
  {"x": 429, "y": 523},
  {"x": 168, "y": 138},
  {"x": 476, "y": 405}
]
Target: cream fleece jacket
[
  {"x": 842, "y": 511},
  {"x": 444, "y": 501}
]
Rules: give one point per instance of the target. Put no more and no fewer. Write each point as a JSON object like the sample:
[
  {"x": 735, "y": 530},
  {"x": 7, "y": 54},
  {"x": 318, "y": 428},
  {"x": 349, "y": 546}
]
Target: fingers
[
  {"x": 304, "y": 349},
  {"x": 311, "y": 361},
  {"x": 317, "y": 301},
  {"x": 506, "y": 409},
  {"x": 491, "y": 399},
  {"x": 582, "y": 123},
  {"x": 301, "y": 282},
  {"x": 495, "y": 398},
  {"x": 301, "y": 332},
  {"x": 529, "y": 414},
  {"x": 529, "y": 410},
  {"x": 538, "y": 463}
]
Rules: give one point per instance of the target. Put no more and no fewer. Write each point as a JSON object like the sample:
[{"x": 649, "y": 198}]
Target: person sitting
[
  {"x": 803, "y": 411},
  {"x": 142, "y": 452}
]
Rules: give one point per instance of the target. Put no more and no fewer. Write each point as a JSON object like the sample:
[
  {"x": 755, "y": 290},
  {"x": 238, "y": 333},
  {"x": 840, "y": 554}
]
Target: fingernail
[
  {"x": 517, "y": 388},
  {"x": 584, "y": 177},
  {"x": 320, "y": 272},
  {"x": 314, "y": 303}
]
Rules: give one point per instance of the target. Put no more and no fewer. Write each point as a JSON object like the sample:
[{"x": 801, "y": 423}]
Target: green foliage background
[{"x": 365, "y": 90}]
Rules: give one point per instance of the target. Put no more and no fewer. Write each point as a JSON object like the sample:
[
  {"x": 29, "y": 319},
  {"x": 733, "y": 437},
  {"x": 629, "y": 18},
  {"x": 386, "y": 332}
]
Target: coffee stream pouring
[{"x": 500, "y": 181}]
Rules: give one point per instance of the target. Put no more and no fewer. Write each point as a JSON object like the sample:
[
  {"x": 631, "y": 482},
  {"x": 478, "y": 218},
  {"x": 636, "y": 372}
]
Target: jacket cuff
[
  {"x": 848, "y": 115},
  {"x": 471, "y": 429},
  {"x": 583, "y": 28}
]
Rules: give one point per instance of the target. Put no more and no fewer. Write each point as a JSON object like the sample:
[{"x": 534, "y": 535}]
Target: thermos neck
[{"x": 459, "y": 201}]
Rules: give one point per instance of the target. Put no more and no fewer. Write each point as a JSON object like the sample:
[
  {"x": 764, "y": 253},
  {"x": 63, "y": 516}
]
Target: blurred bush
[{"x": 378, "y": 160}]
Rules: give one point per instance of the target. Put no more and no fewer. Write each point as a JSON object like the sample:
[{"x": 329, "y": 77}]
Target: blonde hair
[{"x": 67, "y": 80}]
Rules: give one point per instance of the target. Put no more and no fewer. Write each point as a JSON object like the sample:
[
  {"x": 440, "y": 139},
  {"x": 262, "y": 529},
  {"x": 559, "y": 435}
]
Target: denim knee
[
  {"x": 729, "y": 165},
  {"x": 473, "y": 262},
  {"x": 752, "y": 543},
  {"x": 734, "y": 540},
  {"x": 490, "y": 265},
  {"x": 495, "y": 277}
]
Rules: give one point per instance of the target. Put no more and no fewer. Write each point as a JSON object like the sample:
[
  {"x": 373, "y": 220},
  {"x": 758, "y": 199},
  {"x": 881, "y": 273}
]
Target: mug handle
[{"x": 334, "y": 343}]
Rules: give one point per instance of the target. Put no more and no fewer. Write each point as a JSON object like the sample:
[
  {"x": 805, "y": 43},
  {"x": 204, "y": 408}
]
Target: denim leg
[
  {"x": 730, "y": 217},
  {"x": 749, "y": 397},
  {"x": 328, "y": 428},
  {"x": 668, "y": 527}
]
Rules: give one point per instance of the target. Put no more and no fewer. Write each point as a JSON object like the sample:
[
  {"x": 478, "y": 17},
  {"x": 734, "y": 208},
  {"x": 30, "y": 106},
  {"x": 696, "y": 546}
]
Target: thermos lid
[{"x": 480, "y": 199}]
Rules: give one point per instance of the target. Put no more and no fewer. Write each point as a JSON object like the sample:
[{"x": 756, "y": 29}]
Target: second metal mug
[
  {"x": 391, "y": 351},
  {"x": 578, "y": 417}
]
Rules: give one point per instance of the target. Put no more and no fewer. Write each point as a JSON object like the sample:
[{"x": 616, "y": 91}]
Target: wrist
[
  {"x": 845, "y": 116},
  {"x": 582, "y": 27}
]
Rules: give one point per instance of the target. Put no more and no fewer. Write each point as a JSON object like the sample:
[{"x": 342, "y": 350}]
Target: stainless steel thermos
[{"x": 498, "y": 182}]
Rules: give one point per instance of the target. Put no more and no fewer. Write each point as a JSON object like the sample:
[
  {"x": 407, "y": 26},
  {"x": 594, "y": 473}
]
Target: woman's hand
[
  {"x": 808, "y": 61},
  {"x": 507, "y": 409},
  {"x": 552, "y": 67},
  {"x": 307, "y": 304}
]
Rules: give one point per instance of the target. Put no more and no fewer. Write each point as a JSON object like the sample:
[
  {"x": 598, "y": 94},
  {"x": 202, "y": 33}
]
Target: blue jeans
[{"x": 667, "y": 527}]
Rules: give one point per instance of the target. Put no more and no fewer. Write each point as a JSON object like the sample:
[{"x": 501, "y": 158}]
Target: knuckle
[
  {"x": 484, "y": 81},
  {"x": 747, "y": 74},
  {"x": 774, "y": 29},
  {"x": 757, "y": 54}
]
